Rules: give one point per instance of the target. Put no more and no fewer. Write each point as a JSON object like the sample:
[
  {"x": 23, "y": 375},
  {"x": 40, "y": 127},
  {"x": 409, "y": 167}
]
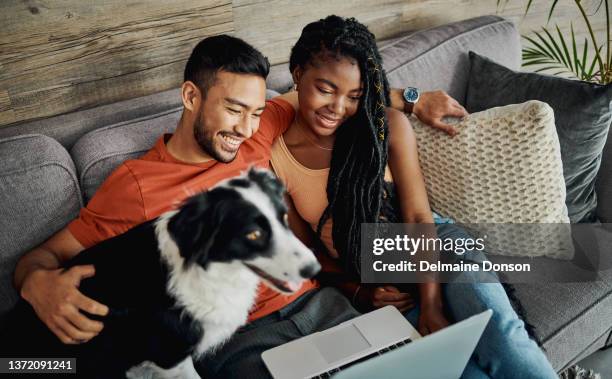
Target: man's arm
[
  {"x": 53, "y": 292},
  {"x": 431, "y": 108}
]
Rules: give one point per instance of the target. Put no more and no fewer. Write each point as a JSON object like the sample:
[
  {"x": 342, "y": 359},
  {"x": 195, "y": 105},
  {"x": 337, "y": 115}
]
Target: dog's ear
[
  {"x": 194, "y": 228},
  {"x": 267, "y": 181}
]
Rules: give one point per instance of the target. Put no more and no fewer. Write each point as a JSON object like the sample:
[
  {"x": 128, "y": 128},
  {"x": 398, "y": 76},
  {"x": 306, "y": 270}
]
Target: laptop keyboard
[{"x": 329, "y": 373}]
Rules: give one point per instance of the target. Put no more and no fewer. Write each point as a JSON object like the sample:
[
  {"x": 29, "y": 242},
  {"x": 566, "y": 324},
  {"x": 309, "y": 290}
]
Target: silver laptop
[{"x": 379, "y": 344}]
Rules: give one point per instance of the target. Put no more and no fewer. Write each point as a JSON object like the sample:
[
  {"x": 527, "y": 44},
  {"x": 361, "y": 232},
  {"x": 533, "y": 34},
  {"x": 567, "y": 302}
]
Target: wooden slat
[
  {"x": 70, "y": 55},
  {"x": 63, "y": 55},
  {"x": 274, "y": 26}
]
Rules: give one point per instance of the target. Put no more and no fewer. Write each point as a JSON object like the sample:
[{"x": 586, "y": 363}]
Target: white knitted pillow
[{"x": 504, "y": 167}]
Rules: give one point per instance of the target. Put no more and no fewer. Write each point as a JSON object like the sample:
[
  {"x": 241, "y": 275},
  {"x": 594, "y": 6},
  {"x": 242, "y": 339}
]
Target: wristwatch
[{"x": 411, "y": 96}]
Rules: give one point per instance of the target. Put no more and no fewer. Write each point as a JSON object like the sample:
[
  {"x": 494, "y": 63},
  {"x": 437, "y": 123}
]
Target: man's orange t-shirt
[{"x": 142, "y": 189}]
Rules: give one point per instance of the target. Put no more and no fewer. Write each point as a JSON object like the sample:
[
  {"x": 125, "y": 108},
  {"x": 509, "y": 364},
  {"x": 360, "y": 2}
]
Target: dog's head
[{"x": 244, "y": 219}]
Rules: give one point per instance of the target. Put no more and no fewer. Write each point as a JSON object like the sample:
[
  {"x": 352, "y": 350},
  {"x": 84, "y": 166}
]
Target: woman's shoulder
[
  {"x": 396, "y": 116},
  {"x": 398, "y": 122}
]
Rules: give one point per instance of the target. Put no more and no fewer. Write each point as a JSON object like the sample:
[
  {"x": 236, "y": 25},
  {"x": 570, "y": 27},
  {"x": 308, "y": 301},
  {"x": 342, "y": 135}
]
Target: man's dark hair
[
  {"x": 223, "y": 53},
  {"x": 359, "y": 158}
]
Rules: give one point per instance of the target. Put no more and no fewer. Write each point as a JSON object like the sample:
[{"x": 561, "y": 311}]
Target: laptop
[{"x": 379, "y": 344}]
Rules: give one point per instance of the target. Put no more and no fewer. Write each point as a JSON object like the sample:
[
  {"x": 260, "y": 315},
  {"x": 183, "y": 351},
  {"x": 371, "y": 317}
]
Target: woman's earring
[{"x": 295, "y": 87}]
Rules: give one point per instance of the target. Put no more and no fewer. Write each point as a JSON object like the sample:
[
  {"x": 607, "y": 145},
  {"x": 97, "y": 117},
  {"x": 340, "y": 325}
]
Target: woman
[{"x": 338, "y": 159}]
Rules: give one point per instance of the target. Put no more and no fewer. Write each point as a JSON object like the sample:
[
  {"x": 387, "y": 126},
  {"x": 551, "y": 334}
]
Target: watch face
[{"x": 411, "y": 94}]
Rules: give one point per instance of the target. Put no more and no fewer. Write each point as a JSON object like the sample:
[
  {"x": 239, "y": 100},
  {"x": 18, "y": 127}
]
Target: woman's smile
[{"x": 327, "y": 121}]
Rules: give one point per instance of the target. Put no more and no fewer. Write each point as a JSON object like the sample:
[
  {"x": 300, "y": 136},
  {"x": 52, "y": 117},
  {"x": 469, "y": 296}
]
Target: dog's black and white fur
[{"x": 180, "y": 285}]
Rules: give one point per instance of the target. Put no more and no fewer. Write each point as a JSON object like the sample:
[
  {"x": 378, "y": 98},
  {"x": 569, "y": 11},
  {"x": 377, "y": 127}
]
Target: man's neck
[{"x": 183, "y": 146}]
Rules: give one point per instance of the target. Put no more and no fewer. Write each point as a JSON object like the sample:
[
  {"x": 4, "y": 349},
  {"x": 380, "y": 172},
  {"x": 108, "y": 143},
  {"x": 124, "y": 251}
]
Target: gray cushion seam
[
  {"x": 133, "y": 121},
  {"x": 574, "y": 319},
  {"x": 25, "y": 136},
  {"x": 503, "y": 21},
  {"x": 90, "y": 165},
  {"x": 424, "y": 31},
  {"x": 52, "y": 163}
]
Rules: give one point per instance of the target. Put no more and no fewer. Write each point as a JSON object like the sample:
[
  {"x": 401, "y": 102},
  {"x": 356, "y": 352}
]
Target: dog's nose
[{"x": 310, "y": 270}]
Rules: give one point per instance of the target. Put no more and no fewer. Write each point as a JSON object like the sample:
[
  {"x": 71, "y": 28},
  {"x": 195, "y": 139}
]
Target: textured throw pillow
[
  {"x": 582, "y": 114},
  {"x": 504, "y": 167}
]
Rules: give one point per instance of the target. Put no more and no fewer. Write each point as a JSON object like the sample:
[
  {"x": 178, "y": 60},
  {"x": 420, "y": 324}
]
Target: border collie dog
[{"x": 177, "y": 286}]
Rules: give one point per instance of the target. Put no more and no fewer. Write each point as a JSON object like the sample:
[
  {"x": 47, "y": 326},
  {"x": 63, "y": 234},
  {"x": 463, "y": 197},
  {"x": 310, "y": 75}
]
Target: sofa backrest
[
  {"x": 39, "y": 193},
  {"x": 604, "y": 183}
]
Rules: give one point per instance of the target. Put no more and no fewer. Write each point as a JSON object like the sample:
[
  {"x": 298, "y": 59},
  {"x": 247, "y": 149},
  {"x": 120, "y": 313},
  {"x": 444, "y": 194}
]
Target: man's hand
[
  {"x": 433, "y": 106},
  {"x": 431, "y": 319},
  {"x": 378, "y": 297},
  {"x": 55, "y": 297}
]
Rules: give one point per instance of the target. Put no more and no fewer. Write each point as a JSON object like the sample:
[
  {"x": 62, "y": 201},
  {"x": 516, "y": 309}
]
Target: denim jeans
[{"x": 505, "y": 349}]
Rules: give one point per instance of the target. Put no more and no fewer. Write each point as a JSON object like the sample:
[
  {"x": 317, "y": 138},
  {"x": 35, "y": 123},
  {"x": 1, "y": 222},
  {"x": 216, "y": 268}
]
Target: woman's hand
[
  {"x": 431, "y": 319},
  {"x": 378, "y": 297}
]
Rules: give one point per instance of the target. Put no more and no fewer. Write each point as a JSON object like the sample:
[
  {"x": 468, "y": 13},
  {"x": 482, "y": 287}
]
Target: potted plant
[{"x": 552, "y": 51}]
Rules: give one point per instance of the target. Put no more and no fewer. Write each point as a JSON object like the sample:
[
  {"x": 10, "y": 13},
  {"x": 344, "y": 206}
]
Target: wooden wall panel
[
  {"x": 59, "y": 56},
  {"x": 273, "y": 26}
]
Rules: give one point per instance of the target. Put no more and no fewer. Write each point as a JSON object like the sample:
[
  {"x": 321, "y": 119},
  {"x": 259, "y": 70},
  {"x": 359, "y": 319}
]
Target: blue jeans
[{"x": 505, "y": 349}]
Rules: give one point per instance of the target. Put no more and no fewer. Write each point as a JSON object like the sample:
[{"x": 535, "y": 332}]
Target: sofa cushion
[
  {"x": 99, "y": 152},
  {"x": 437, "y": 59},
  {"x": 39, "y": 193},
  {"x": 582, "y": 115},
  {"x": 481, "y": 176},
  {"x": 604, "y": 183},
  {"x": 568, "y": 317}
]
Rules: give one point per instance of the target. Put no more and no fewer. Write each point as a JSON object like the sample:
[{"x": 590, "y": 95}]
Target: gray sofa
[{"x": 52, "y": 167}]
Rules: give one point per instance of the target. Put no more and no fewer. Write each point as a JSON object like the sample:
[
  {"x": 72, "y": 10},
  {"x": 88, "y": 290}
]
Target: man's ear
[
  {"x": 191, "y": 96},
  {"x": 194, "y": 228}
]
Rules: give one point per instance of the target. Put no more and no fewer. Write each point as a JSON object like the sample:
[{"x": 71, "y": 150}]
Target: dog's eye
[{"x": 254, "y": 235}]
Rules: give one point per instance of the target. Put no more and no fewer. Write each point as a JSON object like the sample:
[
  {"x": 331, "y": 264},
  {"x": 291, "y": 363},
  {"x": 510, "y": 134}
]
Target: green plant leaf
[
  {"x": 548, "y": 46},
  {"x": 552, "y": 9},
  {"x": 584, "y": 57},
  {"x": 528, "y": 6},
  {"x": 555, "y": 46},
  {"x": 546, "y": 68},
  {"x": 535, "y": 63},
  {"x": 575, "y": 51},
  {"x": 568, "y": 58},
  {"x": 541, "y": 48},
  {"x": 564, "y": 72},
  {"x": 590, "y": 72}
]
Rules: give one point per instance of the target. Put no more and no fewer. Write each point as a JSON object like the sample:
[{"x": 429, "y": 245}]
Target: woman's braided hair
[{"x": 359, "y": 157}]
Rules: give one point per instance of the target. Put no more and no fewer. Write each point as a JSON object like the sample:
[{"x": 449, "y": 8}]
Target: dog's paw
[{"x": 149, "y": 370}]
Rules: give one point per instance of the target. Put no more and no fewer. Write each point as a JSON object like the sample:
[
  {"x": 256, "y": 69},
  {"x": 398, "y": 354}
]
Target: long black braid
[{"x": 359, "y": 157}]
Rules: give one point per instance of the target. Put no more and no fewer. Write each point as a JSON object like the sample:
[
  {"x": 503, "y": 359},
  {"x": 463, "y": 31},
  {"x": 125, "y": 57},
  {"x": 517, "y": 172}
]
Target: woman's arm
[
  {"x": 363, "y": 297},
  {"x": 431, "y": 107},
  {"x": 331, "y": 273},
  {"x": 406, "y": 171},
  {"x": 410, "y": 185}
]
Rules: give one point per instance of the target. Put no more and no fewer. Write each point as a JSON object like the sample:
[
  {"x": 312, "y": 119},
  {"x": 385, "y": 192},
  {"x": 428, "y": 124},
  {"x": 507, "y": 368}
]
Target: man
[{"x": 223, "y": 129}]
